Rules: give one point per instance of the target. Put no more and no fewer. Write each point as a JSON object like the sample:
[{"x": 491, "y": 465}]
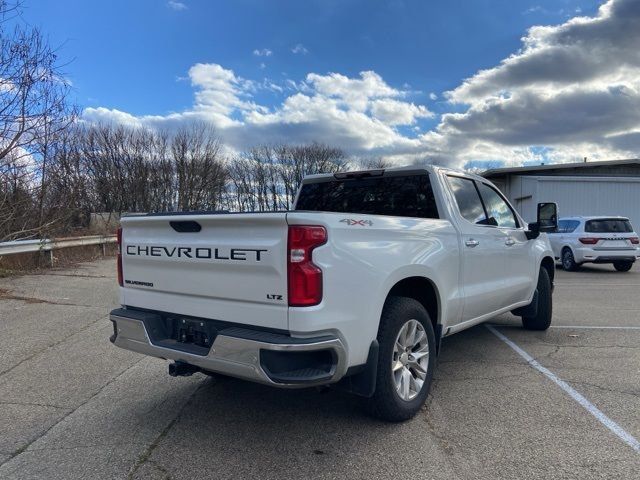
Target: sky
[{"x": 459, "y": 83}]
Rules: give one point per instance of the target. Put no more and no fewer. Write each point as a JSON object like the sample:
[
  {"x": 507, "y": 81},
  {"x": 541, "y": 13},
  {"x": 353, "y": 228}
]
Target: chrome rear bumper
[{"x": 239, "y": 352}]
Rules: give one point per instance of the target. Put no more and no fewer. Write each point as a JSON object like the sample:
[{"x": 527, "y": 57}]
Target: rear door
[
  {"x": 229, "y": 267},
  {"x": 483, "y": 250}
]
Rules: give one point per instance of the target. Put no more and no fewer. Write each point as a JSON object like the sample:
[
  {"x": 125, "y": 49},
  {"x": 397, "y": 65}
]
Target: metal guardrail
[{"x": 48, "y": 245}]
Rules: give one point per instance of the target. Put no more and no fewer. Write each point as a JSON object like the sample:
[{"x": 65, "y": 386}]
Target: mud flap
[
  {"x": 363, "y": 381},
  {"x": 530, "y": 310}
]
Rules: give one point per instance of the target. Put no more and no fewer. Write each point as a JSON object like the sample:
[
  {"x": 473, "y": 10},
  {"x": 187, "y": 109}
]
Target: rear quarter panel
[{"x": 363, "y": 260}]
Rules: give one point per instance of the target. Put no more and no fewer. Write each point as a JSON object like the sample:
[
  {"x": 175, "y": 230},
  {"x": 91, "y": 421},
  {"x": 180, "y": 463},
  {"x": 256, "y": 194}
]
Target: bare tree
[
  {"x": 200, "y": 172},
  {"x": 33, "y": 91},
  {"x": 240, "y": 189},
  {"x": 142, "y": 170},
  {"x": 297, "y": 161},
  {"x": 16, "y": 200},
  {"x": 33, "y": 112},
  {"x": 373, "y": 163},
  {"x": 267, "y": 177},
  {"x": 67, "y": 193}
]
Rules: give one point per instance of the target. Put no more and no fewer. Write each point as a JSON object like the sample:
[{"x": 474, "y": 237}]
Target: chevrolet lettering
[{"x": 202, "y": 253}]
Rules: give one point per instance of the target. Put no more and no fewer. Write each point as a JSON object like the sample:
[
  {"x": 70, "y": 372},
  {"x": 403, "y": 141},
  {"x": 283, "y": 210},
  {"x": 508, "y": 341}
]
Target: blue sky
[{"x": 280, "y": 62}]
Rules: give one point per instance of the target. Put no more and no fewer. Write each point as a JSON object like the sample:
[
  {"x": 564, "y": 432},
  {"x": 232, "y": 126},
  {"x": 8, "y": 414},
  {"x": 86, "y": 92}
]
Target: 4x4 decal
[{"x": 352, "y": 221}]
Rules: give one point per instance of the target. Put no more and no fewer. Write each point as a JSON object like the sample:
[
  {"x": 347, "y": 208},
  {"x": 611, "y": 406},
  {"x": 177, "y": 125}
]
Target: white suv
[{"x": 595, "y": 240}]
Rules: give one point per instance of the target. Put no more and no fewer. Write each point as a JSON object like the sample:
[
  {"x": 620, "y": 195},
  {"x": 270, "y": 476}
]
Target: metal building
[{"x": 589, "y": 188}]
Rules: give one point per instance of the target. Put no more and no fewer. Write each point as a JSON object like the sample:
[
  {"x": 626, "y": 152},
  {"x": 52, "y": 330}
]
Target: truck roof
[{"x": 394, "y": 171}]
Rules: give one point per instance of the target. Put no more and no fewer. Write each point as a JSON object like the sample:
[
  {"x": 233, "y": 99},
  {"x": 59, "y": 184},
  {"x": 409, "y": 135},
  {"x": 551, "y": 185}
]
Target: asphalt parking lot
[{"x": 74, "y": 406}]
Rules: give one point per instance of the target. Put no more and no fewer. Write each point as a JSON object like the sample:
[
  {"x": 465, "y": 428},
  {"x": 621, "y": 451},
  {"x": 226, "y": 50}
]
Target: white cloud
[
  {"x": 353, "y": 91},
  {"x": 299, "y": 48},
  {"x": 359, "y": 114},
  {"x": 107, "y": 115},
  {"x": 220, "y": 94},
  {"x": 394, "y": 112},
  {"x": 178, "y": 6},
  {"x": 537, "y": 9},
  {"x": 263, "y": 52},
  {"x": 573, "y": 90},
  {"x": 597, "y": 50},
  {"x": 534, "y": 9}
]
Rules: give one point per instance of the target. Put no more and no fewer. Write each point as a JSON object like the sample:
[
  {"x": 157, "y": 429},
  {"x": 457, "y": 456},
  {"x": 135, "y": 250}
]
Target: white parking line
[
  {"x": 581, "y": 285},
  {"x": 595, "y": 327},
  {"x": 591, "y": 408}
]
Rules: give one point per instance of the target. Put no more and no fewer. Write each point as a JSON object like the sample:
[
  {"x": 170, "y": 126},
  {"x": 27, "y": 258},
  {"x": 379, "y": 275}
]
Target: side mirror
[
  {"x": 547, "y": 217},
  {"x": 547, "y": 220}
]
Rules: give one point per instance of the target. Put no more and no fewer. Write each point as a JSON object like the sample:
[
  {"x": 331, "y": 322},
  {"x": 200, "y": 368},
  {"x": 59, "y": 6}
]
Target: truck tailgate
[{"x": 233, "y": 269}]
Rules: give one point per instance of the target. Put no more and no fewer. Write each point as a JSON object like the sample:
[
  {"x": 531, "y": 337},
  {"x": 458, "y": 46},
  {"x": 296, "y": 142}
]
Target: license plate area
[
  {"x": 615, "y": 244},
  {"x": 182, "y": 333},
  {"x": 192, "y": 332}
]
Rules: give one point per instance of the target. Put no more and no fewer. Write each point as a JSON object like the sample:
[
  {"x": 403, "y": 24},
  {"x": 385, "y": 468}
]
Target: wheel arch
[
  {"x": 424, "y": 291},
  {"x": 565, "y": 247},
  {"x": 549, "y": 264}
]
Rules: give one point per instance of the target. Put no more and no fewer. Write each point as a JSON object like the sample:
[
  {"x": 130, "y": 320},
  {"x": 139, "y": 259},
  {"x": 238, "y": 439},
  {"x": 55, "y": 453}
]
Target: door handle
[
  {"x": 509, "y": 241},
  {"x": 472, "y": 243}
]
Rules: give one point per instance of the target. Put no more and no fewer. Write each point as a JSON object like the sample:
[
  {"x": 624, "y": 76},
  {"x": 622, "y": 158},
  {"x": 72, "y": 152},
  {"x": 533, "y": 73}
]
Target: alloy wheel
[
  {"x": 567, "y": 260},
  {"x": 410, "y": 360}
]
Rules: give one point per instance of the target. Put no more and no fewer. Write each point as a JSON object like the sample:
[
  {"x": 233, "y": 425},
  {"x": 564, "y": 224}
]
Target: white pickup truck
[{"x": 356, "y": 286}]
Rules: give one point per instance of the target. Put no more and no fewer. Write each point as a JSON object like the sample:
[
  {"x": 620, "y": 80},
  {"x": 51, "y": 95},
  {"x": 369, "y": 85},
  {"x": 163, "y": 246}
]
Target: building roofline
[{"x": 559, "y": 166}]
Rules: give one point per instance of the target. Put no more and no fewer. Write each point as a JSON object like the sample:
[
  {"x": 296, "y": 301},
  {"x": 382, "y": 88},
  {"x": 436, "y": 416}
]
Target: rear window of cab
[{"x": 401, "y": 196}]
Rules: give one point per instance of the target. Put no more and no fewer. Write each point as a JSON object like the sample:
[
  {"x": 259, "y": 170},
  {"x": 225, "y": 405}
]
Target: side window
[
  {"x": 498, "y": 211},
  {"x": 468, "y": 200},
  {"x": 572, "y": 225},
  {"x": 562, "y": 227}
]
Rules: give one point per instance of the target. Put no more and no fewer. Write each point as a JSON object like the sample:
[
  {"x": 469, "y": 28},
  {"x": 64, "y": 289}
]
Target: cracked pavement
[{"x": 74, "y": 406}]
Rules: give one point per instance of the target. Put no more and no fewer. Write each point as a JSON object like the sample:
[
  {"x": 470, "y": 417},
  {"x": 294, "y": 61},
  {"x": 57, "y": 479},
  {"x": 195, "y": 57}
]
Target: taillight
[
  {"x": 634, "y": 240},
  {"x": 305, "y": 278},
  {"x": 589, "y": 240},
  {"x": 119, "y": 260}
]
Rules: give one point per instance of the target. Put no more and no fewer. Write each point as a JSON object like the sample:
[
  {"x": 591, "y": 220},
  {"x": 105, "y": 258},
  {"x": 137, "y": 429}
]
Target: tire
[
  {"x": 387, "y": 402},
  {"x": 568, "y": 261},
  {"x": 542, "y": 319},
  {"x": 622, "y": 266}
]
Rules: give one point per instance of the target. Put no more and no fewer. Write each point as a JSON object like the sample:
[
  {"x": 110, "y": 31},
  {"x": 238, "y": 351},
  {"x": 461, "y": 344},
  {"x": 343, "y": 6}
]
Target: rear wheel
[
  {"x": 542, "y": 319},
  {"x": 405, "y": 362},
  {"x": 622, "y": 266},
  {"x": 568, "y": 261}
]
